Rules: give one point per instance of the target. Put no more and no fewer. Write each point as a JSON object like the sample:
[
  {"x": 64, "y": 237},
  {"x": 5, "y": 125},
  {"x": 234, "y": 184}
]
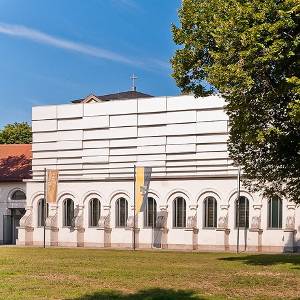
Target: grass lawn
[{"x": 87, "y": 274}]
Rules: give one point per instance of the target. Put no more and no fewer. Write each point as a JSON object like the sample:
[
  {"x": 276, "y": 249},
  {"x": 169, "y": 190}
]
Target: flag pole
[
  {"x": 238, "y": 209},
  {"x": 45, "y": 204},
  {"x": 134, "y": 208}
]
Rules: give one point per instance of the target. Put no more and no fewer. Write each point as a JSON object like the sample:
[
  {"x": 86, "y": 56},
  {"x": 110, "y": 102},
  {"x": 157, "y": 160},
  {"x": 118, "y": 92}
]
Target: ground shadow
[
  {"x": 15, "y": 167},
  {"x": 266, "y": 259},
  {"x": 149, "y": 294}
]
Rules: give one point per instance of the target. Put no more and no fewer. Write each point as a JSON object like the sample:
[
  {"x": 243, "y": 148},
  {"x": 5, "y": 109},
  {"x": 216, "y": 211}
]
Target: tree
[
  {"x": 249, "y": 51},
  {"x": 17, "y": 133}
]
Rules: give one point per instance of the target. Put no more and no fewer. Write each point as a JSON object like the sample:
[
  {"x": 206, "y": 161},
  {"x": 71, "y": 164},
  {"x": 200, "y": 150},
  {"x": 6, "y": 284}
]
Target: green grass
[{"x": 86, "y": 274}]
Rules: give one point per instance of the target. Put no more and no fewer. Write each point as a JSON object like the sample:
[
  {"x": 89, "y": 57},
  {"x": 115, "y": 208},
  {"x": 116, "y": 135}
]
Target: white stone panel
[
  {"x": 151, "y": 149},
  {"x": 95, "y": 159},
  {"x": 152, "y": 105},
  {"x": 96, "y": 134},
  {"x": 181, "y": 148},
  {"x": 70, "y": 135},
  {"x": 177, "y": 140},
  {"x": 152, "y": 157},
  {"x": 45, "y": 161},
  {"x": 74, "y": 153},
  {"x": 123, "y": 151},
  {"x": 45, "y": 125},
  {"x": 44, "y": 146},
  {"x": 44, "y": 154},
  {"x": 71, "y": 167},
  {"x": 152, "y": 131},
  {"x": 95, "y": 122},
  {"x": 123, "y": 158},
  {"x": 211, "y": 147},
  {"x": 151, "y": 141},
  {"x": 123, "y": 143},
  {"x": 181, "y": 156},
  {"x": 41, "y": 137},
  {"x": 157, "y": 164},
  {"x": 120, "y": 107},
  {"x": 69, "y": 111},
  {"x": 181, "y": 117},
  {"x": 181, "y": 129},
  {"x": 94, "y": 166},
  {"x": 76, "y": 160},
  {"x": 123, "y": 120},
  {"x": 212, "y": 138},
  {"x": 212, "y": 127},
  {"x": 190, "y": 103},
  {"x": 95, "y": 152},
  {"x": 152, "y": 119},
  {"x": 211, "y": 155},
  {"x": 122, "y": 132},
  {"x": 95, "y": 144},
  {"x": 43, "y": 112},
  {"x": 211, "y": 115},
  {"x": 70, "y": 124}
]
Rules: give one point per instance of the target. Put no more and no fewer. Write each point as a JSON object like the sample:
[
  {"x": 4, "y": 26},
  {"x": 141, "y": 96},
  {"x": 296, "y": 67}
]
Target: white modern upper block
[{"x": 181, "y": 132}]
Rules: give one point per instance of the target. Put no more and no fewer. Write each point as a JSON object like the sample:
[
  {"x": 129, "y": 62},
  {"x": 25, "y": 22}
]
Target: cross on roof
[{"x": 133, "y": 78}]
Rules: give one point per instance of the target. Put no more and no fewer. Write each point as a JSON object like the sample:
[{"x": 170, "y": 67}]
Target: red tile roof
[{"x": 15, "y": 162}]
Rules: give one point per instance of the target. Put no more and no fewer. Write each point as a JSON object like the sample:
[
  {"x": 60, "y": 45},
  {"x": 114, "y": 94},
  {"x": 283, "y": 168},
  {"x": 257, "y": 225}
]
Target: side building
[
  {"x": 15, "y": 165},
  {"x": 192, "y": 201}
]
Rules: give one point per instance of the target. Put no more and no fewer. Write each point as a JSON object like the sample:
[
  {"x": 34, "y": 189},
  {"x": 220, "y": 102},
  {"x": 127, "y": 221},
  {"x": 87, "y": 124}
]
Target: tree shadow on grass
[
  {"x": 267, "y": 259},
  {"x": 149, "y": 294}
]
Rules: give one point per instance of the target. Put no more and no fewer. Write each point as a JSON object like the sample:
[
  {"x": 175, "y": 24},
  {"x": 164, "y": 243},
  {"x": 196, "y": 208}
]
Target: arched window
[
  {"x": 18, "y": 195},
  {"x": 210, "y": 212},
  {"x": 242, "y": 212},
  {"x": 150, "y": 213},
  {"x": 94, "y": 212},
  {"x": 179, "y": 212},
  {"x": 41, "y": 212},
  {"x": 275, "y": 213},
  {"x": 68, "y": 212},
  {"x": 121, "y": 212}
]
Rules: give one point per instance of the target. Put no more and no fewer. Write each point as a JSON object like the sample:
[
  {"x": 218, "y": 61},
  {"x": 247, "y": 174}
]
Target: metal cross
[{"x": 133, "y": 78}]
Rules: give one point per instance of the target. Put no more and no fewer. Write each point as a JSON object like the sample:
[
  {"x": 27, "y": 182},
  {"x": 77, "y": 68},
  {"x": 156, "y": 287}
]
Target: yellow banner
[
  {"x": 142, "y": 181},
  {"x": 52, "y": 180}
]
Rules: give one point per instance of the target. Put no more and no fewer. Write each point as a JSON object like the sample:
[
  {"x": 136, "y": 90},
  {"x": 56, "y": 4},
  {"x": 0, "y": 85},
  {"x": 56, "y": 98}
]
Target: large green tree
[
  {"x": 17, "y": 133},
  {"x": 249, "y": 51}
]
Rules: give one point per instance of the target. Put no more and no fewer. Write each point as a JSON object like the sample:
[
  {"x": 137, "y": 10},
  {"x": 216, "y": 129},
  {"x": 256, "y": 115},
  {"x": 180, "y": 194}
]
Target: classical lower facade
[{"x": 192, "y": 201}]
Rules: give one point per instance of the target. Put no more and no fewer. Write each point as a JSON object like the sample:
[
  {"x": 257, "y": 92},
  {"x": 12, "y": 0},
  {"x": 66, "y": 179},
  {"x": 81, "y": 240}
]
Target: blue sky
[{"x": 53, "y": 51}]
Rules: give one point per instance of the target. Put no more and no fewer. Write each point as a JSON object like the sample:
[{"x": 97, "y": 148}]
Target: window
[
  {"x": 121, "y": 212},
  {"x": 242, "y": 212},
  {"x": 18, "y": 195},
  {"x": 179, "y": 212},
  {"x": 41, "y": 212},
  {"x": 150, "y": 213},
  {"x": 275, "y": 213},
  {"x": 210, "y": 212},
  {"x": 68, "y": 212},
  {"x": 95, "y": 212}
]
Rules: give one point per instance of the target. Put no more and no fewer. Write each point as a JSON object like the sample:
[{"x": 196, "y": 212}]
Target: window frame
[
  {"x": 247, "y": 217},
  {"x": 146, "y": 213},
  {"x": 41, "y": 212},
  {"x": 175, "y": 211},
  {"x": 90, "y": 211},
  {"x": 205, "y": 213},
  {"x": 279, "y": 211},
  {"x": 65, "y": 212},
  {"x": 16, "y": 191},
  {"x": 118, "y": 212}
]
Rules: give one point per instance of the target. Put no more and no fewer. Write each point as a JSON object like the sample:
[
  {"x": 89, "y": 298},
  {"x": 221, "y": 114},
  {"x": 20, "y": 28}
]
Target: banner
[
  {"x": 142, "y": 181},
  {"x": 52, "y": 180}
]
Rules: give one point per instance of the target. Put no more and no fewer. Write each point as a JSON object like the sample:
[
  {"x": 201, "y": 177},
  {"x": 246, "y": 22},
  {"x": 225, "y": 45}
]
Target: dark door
[{"x": 10, "y": 225}]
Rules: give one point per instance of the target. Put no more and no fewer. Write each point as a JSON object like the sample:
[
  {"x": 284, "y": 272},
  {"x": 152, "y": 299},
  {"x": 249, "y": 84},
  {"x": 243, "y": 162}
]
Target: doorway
[{"x": 10, "y": 224}]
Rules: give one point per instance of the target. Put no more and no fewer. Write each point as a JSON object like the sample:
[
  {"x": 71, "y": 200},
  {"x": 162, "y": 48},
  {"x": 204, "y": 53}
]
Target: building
[
  {"x": 15, "y": 165},
  {"x": 192, "y": 202}
]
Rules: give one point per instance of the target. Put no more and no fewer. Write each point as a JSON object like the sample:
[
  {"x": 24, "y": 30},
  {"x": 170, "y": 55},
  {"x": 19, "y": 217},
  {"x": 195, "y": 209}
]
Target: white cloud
[{"x": 44, "y": 38}]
